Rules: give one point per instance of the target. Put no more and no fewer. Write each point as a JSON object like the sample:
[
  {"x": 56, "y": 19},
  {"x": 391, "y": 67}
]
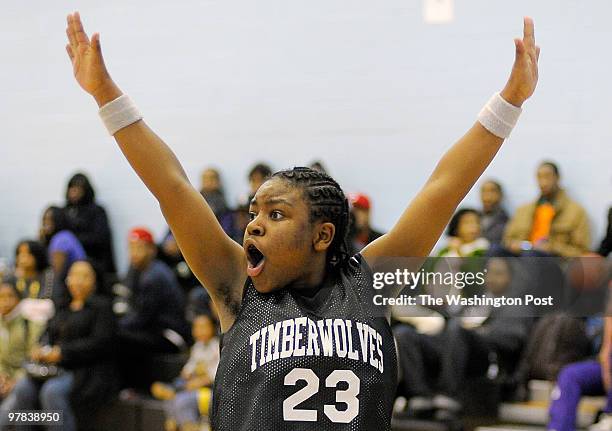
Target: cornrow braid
[{"x": 327, "y": 203}]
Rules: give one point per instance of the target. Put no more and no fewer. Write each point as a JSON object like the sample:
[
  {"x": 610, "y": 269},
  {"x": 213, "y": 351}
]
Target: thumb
[
  {"x": 95, "y": 42},
  {"x": 520, "y": 47}
]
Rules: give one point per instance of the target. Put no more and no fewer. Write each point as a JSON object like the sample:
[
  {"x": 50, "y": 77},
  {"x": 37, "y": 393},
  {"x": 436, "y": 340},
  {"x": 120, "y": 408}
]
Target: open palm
[
  {"x": 86, "y": 56},
  {"x": 524, "y": 76}
]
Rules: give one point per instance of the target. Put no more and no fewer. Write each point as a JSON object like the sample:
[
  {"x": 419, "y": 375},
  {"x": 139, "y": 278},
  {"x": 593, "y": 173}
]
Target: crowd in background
[{"x": 75, "y": 334}]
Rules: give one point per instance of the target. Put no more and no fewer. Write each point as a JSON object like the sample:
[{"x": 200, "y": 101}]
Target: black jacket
[
  {"x": 87, "y": 341},
  {"x": 90, "y": 224},
  {"x": 156, "y": 302}
]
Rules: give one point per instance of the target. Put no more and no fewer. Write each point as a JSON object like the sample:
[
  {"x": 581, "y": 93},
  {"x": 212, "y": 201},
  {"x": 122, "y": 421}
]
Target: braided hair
[{"x": 327, "y": 203}]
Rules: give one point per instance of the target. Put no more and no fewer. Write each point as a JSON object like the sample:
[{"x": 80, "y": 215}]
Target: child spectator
[
  {"x": 464, "y": 235},
  {"x": 465, "y": 245},
  {"x": 89, "y": 223},
  {"x": 184, "y": 396}
]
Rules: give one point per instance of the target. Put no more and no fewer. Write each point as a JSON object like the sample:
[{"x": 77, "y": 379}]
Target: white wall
[{"x": 366, "y": 85}]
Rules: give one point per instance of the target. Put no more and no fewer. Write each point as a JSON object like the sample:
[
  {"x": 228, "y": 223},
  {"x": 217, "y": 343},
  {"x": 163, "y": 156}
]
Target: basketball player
[{"x": 303, "y": 347}]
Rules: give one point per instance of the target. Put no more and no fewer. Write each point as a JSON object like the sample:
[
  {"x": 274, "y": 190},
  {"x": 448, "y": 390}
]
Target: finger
[
  {"x": 520, "y": 47},
  {"x": 81, "y": 36},
  {"x": 95, "y": 42},
  {"x": 528, "y": 32},
  {"x": 70, "y": 53},
  {"x": 537, "y": 53},
  {"x": 70, "y": 33}
]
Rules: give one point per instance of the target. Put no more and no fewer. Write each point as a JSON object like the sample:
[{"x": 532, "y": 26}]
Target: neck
[
  {"x": 552, "y": 195},
  {"x": 144, "y": 265},
  {"x": 28, "y": 273},
  {"x": 77, "y": 304},
  {"x": 490, "y": 209},
  {"x": 312, "y": 279}
]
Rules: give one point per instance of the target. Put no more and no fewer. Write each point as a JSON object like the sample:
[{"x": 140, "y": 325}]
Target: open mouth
[{"x": 256, "y": 261}]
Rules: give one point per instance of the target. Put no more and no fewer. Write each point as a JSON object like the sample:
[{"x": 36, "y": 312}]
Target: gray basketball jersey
[{"x": 293, "y": 362}]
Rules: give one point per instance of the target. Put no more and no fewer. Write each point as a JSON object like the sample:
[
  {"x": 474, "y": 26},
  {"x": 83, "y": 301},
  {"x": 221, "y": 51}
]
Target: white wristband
[
  {"x": 119, "y": 113},
  {"x": 498, "y": 116}
]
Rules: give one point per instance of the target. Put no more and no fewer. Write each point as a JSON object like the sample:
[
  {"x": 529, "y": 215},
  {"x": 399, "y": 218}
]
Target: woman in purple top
[{"x": 63, "y": 247}]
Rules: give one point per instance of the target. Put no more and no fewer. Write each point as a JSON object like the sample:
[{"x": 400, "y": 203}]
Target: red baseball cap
[
  {"x": 141, "y": 234},
  {"x": 359, "y": 200}
]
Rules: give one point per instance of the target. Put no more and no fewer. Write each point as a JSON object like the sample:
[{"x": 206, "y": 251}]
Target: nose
[{"x": 255, "y": 228}]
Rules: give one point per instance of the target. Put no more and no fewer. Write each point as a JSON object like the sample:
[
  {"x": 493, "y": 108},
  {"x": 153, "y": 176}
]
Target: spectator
[
  {"x": 493, "y": 217},
  {"x": 464, "y": 235},
  {"x": 212, "y": 190},
  {"x": 588, "y": 378},
  {"x": 483, "y": 337},
  {"x": 241, "y": 220},
  {"x": 257, "y": 176},
  {"x": 155, "y": 322},
  {"x": 63, "y": 247},
  {"x": 606, "y": 243},
  {"x": 79, "y": 341},
  {"x": 361, "y": 232},
  {"x": 33, "y": 277},
  {"x": 18, "y": 337},
  {"x": 35, "y": 281},
  {"x": 89, "y": 223},
  {"x": 170, "y": 254},
  {"x": 465, "y": 245},
  {"x": 197, "y": 375},
  {"x": 552, "y": 225}
]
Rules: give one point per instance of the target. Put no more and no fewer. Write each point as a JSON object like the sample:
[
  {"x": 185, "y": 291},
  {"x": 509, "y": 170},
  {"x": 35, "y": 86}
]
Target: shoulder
[
  {"x": 501, "y": 214},
  {"x": 98, "y": 210},
  {"x": 356, "y": 266},
  {"x": 574, "y": 206},
  {"x": 525, "y": 209},
  {"x": 61, "y": 239}
]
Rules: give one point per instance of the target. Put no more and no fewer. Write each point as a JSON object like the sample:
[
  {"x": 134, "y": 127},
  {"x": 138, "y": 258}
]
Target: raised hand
[
  {"x": 87, "y": 61},
  {"x": 524, "y": 76}
]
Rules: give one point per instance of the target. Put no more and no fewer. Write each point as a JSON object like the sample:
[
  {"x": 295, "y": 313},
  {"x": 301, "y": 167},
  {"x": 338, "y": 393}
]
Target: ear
[{"x": 323, "y": 236}]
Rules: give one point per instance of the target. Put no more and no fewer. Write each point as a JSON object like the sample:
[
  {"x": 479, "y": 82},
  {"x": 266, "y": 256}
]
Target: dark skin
[{"x": 295, "y": 248}]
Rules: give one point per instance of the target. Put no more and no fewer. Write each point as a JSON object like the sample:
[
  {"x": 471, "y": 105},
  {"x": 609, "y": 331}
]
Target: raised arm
[
  {"x": 217, "y": 261},
  {"x": 422, "y": 223}
]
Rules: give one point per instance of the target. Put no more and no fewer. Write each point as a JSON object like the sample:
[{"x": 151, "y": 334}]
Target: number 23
[{"x": 347, "y": 396}]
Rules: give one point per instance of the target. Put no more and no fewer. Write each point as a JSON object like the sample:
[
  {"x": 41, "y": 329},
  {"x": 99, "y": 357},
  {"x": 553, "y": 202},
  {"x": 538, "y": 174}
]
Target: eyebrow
[{"x": 273, "y": 201}]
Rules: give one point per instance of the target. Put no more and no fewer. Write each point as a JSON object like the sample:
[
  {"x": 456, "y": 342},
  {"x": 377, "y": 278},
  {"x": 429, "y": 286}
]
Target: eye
[
  {"x": 276, "y": 215},
  {"x": 252, "y": 215}
]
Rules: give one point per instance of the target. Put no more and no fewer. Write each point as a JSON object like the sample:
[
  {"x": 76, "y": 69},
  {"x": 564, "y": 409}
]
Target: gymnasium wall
[{"x": 365, "y": 85}]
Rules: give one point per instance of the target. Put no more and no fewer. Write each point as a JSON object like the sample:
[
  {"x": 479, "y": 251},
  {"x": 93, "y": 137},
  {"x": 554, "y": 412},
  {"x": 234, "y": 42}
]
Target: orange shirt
[{"x": 542, "y": 219}]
